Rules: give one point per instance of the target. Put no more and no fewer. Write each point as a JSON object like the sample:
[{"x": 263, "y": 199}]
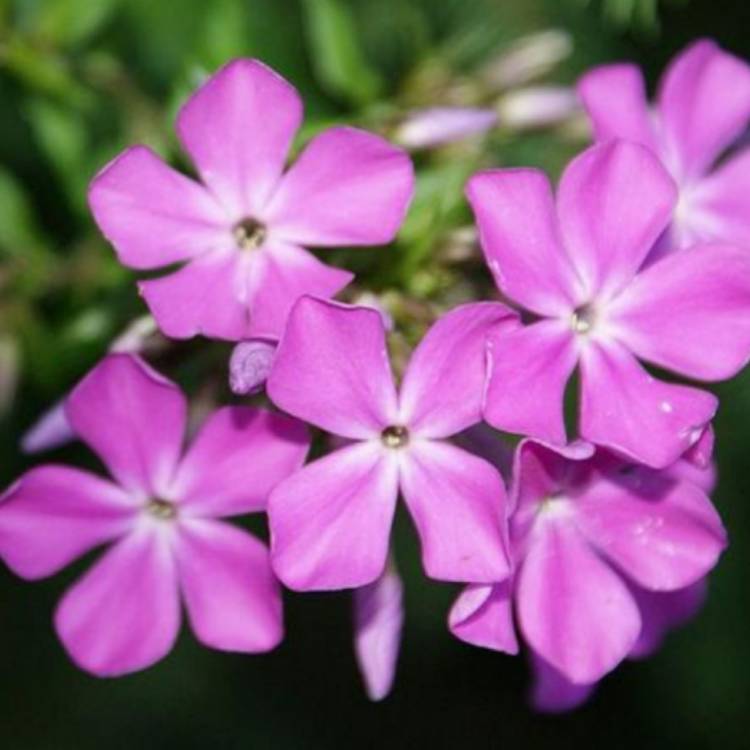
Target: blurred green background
[{"x": 79, "y": 80}]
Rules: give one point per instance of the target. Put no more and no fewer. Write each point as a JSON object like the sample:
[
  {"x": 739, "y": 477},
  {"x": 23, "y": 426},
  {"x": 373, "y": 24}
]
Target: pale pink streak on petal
[
  {"x": 330, "y": 522},
  {"x": 153, "y": 215},
  {"x": 458, "y": 504},
  {"x": 614, "y": 97},
  {"x": 515, "y": 214},
  {"x": 529, "y": 370},
  {"x": 332, "y": 369},
  {"x": 123, "y": 615},
  {"x": 663, "y": 534},
  {"x": 626, "y": 409},
  {"x": 552, "y": 693},
  {"x": 614, "y": 201},
  {"x": 573, "y": 609},
  {"x": 443, "y": 386},
  {"x": 133, "y": 419},
  {"x": 348, "y": 187},
  {"x": 237, "y": 129},
  {"x": 378, "y": 620},
  {"x": 690, "y": 312},
  {"x": 239, "y": 455},
  {"x": 208, "y": 296},
  {"x": 704, "y": 104},
  {"x": 483, "y": 616},
  {"x": 53, "y": 514},
  {"x": 286, "y": 273},
  {"x": 232, "y": 597}
]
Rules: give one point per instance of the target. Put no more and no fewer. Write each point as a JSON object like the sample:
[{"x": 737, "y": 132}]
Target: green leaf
[
  {"x": 72, "y": 22},
  {"x": 337, "y": 54}
]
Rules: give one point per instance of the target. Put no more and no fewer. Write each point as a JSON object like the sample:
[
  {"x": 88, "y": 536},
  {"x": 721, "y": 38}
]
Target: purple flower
[
  {"x": 241, "y": 233},
  {"x": 330, "y": 522},
  {"x": 577, "y": 268},
  {"x": 160, "y": 515},
  {"x": 601, "y": 549},
  {"x": 702, "y": 107}
]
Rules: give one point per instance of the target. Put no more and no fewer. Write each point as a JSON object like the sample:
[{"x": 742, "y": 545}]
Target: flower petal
[
  {"x": 443, "y": 387},
  {"x": 552, "y": 693},
  {"x": 483, "y": 616},
  {"x": 124, "y": 614},
  {"x": 614, "y": 201},
  {"x": 153, "y": 215},
  {"x": 286, "y": 273},
  {"x": 348, "y": 187},
  {"x": 133, "y": 419},
  {"x": 378, "y": 619},
  {"x": 626, "y": 409},
  {"x": 237, "y": 129},
  {"x": 529, "y": 369},
  {"x": 233, "y": 599},
  {"x": 332, "y": 369},
  {"x": 704, "y": 104},
  {"x": 50, "y": 431},
  {"x": 54, "y": 514},
  {"x": 330, "y": 522},
  {"x": 238, "y": 457},
  {"x": 515, "y": 213},
  {"x": 209, "y": 296},
  {"x": 573, "y": 609},
  {"x": 614, "y": 97},
  {"x": 663, "y": 534},
  {"x": 690, "y": 312},
  {"x": 458, "y": 504}
]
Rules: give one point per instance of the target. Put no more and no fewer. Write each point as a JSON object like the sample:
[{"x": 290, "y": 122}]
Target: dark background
[{"x": 79, "y": 79}]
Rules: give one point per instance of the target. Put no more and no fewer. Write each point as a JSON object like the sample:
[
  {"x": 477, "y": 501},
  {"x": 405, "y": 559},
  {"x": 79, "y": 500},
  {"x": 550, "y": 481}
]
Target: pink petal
[
  {"x": 54, "y": 514},
  {"x": 626, "y": 409},
  {"x": 552, "y": 693},
  {"x": 232, "y": 597},
  {"x": 378, "y": 619},
  {"x": 573, "y": 609},
  {"x": 457, "y": 501},
  {"x": 718, "y": 207},
  {"x": 529, "y": 370},
  {"x": 663, "y": 611},
  {"x": 209, "y": 296},
  {"x": 443, "y": 387},
  {"x": 614, "y": 97},
  {"x": 50, "y": 431},
  {"x": 153, "y": 215},
  {"x": 704, "y": 103},
  {"x": 332, "y": 369},
  {"x": 515, "y": 213},
  {"x": 348, "y": 187},
  {"x": 238, "y": 457},
  {"x": 663, "y": 534},
  {"x": 690, "y": 312},
  {"x": 237, "y": 129},
  {"x": 483, "y": 616},
  {"x": 614, "y": 201},
  {"x": 286, "y": 273},
  {"x": 330, "y": 522},
  {"x": 133, "y": 419},
  {"x": 124, "y": 614}
]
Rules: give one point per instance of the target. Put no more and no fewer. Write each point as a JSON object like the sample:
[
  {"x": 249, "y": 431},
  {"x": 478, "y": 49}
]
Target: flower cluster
[{"x": 605, "y": 535}]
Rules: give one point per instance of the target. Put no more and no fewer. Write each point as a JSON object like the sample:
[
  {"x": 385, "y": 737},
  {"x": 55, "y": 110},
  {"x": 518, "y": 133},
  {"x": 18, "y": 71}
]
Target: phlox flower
[
  {"x": 607, "y": 556},
  {"x": 577, "y": 268},
  {"x": 702, "y": 107},
  {"x": 241, "y": 232},
  {"x": 330, "y": 522},
  {"x": 161, "y": 514}
]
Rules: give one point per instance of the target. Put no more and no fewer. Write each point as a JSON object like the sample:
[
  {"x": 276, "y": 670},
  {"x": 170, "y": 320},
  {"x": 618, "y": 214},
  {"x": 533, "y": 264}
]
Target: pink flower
[
  {"x": 577, "y": 267},
  {"x": 607, "y": 556},
  {"x": 702, "y": 107},
  {"x": 160, "y": 515},
  {"x": 241, "y": 233},
  {"x": 330, "y": 522}
]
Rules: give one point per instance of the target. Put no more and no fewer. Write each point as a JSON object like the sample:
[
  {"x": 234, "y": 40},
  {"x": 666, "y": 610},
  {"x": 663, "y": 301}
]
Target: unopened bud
[
  {"x": 537, "y": 107},
  {"x": 437, "y": 126},
  {"x": 249, "y": 365}
]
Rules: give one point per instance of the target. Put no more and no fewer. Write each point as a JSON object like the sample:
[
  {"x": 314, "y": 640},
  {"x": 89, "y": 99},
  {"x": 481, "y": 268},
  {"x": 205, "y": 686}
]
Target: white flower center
[
  {"x": 249, "y": 234},
  {"x": 395, "y": 436},
  {"x": 161, "y": 509},
  {"x": 583, "y": 319}
]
